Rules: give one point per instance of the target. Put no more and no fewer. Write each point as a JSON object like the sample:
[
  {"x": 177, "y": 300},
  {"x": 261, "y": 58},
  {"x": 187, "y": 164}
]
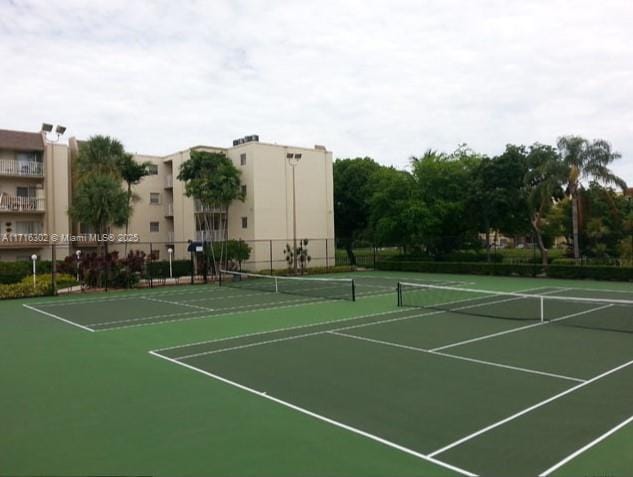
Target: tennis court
[
  {"x": 480, "y": 383},
  {"x": 466, "y": 380}
]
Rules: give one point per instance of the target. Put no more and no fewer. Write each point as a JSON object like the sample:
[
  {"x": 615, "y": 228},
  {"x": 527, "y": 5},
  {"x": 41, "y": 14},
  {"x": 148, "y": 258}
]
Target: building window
[
  {"x": 154, "y": 198},
  {"x": 242, "y": 159},
  {"x": 154, "y": 227},
  {"x": 244, "y": 190},
  {"x": 28, "y": 227},
  {"x": 152, "y": 169},
  {"x": 244, "y": 222}
]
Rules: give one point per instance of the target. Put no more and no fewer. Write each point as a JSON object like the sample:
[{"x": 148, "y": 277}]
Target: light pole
[
  {"x": 170, "y": 251},
  {"x": 34, "y": 258},
  {"x": 78, "y": 255},
  {"x": 293, "y": 160}
]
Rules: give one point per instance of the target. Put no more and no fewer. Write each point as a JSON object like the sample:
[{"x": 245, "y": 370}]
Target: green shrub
[{"x": 43, "y": 286}]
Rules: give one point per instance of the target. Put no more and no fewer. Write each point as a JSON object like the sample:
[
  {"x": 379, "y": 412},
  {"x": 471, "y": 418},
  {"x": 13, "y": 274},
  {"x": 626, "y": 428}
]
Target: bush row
[
  {"x": 43, "y": 286},
  {"x": 520, "y": 269}
]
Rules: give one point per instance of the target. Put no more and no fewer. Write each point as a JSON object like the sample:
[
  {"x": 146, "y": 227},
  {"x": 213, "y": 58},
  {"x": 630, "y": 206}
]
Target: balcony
[
  {"x": 9, "y": 203},
  {"x": 169, "y": 181},
  {"x": 169, "y": 209},
  {"x": 13, "y": 168}
]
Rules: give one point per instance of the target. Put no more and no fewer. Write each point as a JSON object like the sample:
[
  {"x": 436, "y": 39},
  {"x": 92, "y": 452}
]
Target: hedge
[{"x": 520, "y": 269}]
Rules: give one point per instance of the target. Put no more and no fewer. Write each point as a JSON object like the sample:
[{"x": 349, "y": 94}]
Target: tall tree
[
  {"x": 212, "y": 179},
  {"x": 132, "y": 173},
  {"x": 441, "y": 189},
  {"x": 544, "y": 185},
  {"x": 99, "y": 155},
  {"x": 586, "y": 160},
  {"x": 100, "y": 201},
  {"x": 351, "y": 192}
]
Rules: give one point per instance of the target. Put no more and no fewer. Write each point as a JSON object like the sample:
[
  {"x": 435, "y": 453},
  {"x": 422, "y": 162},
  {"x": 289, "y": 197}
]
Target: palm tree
[
  {"x": 132, "y": 173},
  {"x": 585, "y": 160},
  {"x": 100, "y": 155},
  {"x": 543, "y": 181}
]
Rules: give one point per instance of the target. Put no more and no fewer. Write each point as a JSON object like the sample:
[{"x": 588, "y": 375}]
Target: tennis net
[
  {"x": 594, "y": 313},
  {"x": 329, "y": 288}
]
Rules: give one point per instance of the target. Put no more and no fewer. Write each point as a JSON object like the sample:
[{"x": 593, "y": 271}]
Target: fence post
[
  {"x": 54, "y": 269},
  {"x": 327, "y": 257},
  {"x": 374, "y": 250},
  {"x": 271, "y": 256},
  {"x": 151, "y": 257},
  {"x": 191, "y": 252}
]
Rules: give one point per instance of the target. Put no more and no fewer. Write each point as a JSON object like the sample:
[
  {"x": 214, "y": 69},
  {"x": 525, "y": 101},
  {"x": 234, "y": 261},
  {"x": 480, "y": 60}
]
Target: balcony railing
[
  {"x": 169, "y": 209},
  {"x": 11, "y": 167},
  {"x": 169, "y": 181},
  {"x": 212, "y": 236},
  {"x": 10, "y": 203}
]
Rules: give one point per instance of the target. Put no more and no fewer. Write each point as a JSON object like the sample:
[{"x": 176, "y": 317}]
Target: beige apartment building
[{"x": 35, "y": 192}]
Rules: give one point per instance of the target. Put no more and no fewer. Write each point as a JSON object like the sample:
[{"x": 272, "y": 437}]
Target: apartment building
[
  {"x": 164, "y": 218},
  {"x": 34, "y": 193}
]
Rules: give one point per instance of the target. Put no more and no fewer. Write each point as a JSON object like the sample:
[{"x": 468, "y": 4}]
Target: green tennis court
[{"x": 470, "y": 376}]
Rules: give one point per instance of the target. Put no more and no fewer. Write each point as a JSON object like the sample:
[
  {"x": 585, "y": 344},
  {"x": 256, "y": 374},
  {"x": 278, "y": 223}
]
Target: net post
[
  {"x": 542, "y": 299},
  {"x": 399, "y": 294},
  {"x": 276, "y": 285},
  {"x": 53, "y": 269},
  {"x": 353, "y": 290}
]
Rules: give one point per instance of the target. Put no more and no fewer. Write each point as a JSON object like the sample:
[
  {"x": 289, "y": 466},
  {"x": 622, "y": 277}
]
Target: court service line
[
  {"x": 279, "y": 330},
  {"x": 228, "y": 308},
  {"x": 461, "y": 358},
  {"x": 58, "y": 318},
  {"x": 521, "y": 328},
  {"x": 320, "y": 417},
  {"x": 345, "y": 328},
  {"x": 158, "y": 300},
  {"x": 289, "y": 328},
  {"x": 586, "y": 447},
  {"x": 216, "y": 315},
  {"x": 528, "y": 409}
]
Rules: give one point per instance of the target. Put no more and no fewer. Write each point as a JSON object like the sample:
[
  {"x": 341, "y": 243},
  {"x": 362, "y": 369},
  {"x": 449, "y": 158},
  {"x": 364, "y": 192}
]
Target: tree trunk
[
  {"x": 574, "y": 221},
  {"x": 539, "y": 240}
]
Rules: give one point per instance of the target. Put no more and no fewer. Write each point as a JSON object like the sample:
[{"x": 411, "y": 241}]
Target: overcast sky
[{"x": 386, "y": 79}]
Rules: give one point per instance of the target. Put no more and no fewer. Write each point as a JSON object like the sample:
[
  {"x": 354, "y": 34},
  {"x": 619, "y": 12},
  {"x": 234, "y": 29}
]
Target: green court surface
[{"x": 208, "y": 380}]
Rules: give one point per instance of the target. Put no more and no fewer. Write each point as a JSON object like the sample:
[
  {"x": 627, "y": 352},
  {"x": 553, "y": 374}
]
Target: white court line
[
  {"x": 529, "y": 409},
  {"x": 361, "y": 325},
  {"x": 279, "y": 330},
  {"x": 59, "y": 318},
  {"x": 130, "y": 295},
  {"x": 585, "y": 448},
  {"x": 513, "y": 330},
  {"x": 216, "y": 315},
  {"x": 319, "y": 417},
  {"x": 462, "y": 358},
  {"x": 288, "y": 328},
  {"x": 188, "y": 305},
  {"x": 229, "y": 308}
]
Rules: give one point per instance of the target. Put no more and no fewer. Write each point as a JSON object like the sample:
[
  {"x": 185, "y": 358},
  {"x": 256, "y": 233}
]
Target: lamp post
[
  {"x": 170, "y": 252},
  {"x": 293, "y": 160},
  {"x": 78, "y": 255},
  {"x": 34, "y": 259}
]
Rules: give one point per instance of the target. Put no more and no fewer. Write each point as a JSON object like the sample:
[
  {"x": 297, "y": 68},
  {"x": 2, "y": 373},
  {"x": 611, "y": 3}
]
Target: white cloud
[{"x": 384, "y": 79}]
